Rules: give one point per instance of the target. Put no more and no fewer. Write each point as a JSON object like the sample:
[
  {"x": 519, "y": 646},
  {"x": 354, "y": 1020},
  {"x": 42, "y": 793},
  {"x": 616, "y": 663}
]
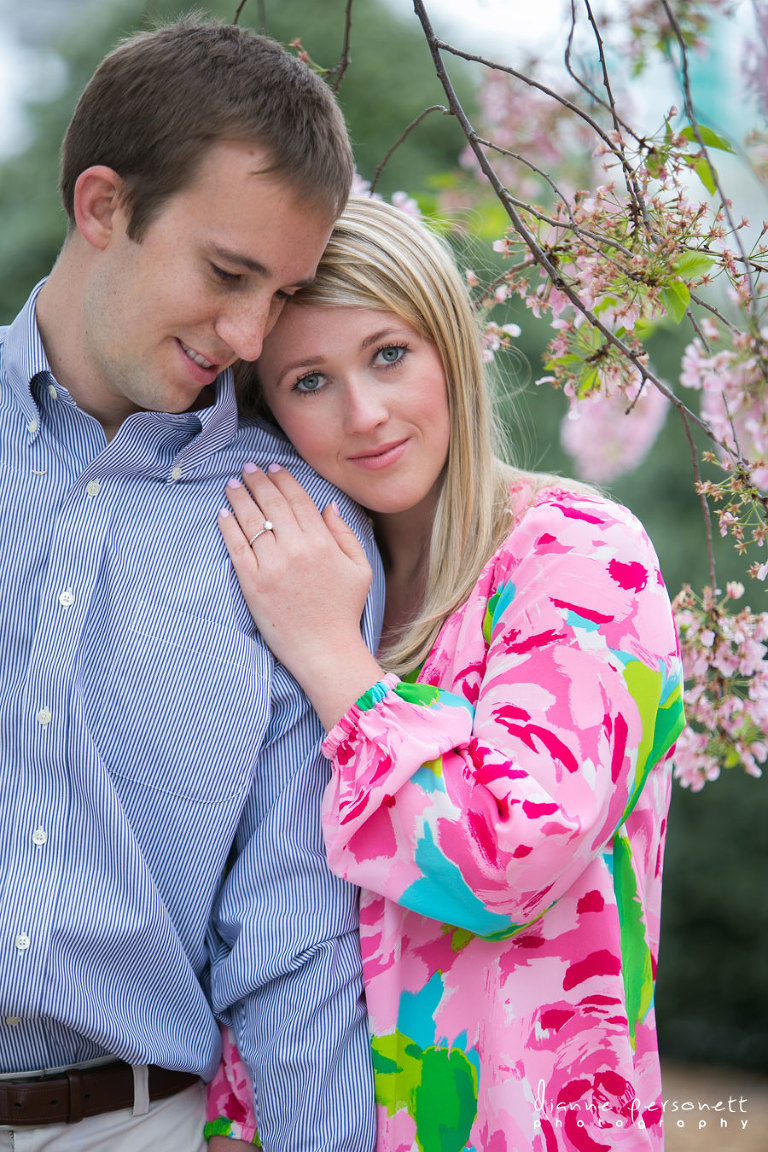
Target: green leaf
[
  {"x": 709, "y": 137},
  {"x": 589, "y": 380},
  {"x": 676, "y": 298},
  {"x": 604, "y": 304},
  {"x": 656, "y": 160},
  {"x": 590, "y": 337},
  {"x": 703, "y": 170},
  {"x": 644, "y": 328},
  {"x": 693, "y": 264}
]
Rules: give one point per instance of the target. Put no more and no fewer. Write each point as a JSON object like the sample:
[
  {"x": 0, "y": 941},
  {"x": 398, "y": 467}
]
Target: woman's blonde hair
[{"x": 380, "y": 257}]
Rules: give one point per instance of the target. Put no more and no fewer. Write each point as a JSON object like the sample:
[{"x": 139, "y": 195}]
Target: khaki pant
[{"x": 172, "y": 1125}]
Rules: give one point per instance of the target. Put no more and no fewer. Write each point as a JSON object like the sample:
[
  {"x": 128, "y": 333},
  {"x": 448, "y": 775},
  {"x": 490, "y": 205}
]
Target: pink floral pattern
[
  {"x": 230, "y": 1097},
  {"x": 505, "y": 817}
]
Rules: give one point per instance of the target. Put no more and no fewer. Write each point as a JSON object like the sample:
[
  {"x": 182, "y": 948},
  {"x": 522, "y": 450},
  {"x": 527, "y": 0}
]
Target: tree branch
[
  {"x": 703, "y": 501},
  {"x": 535, "y": 249},
  {"x": 413, "y": 124},
  {"x": 346, "y": 56}
]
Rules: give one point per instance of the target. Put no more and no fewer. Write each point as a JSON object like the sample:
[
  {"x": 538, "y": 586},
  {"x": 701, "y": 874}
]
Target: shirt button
[
  {"x": 93, "y": 488},
  {"x": 32, "y": 427},
  {"x": 44, "y": 717},
  {"x": 176, "y": 473},
  {"x": 22, "y": 942},
  {"x": 13, "y": 1020},
  {"x": 39, "y": 836},
  {"x": 52, "y": 392},
  {"x": 67, "y": 599}
]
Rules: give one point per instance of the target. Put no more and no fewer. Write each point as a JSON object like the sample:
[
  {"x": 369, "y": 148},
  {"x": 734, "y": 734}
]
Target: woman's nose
[{"x": 366, "y": 407}]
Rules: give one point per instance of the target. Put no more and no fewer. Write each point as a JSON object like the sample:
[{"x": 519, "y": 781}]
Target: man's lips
[
  {"x": 200, "y": 369},
  {"x": 197, "y": 357},
  {"x": 381, "y": 456}
]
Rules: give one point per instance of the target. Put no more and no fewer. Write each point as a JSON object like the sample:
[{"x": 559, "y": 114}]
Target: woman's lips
[{"x": 380, "y": 457}]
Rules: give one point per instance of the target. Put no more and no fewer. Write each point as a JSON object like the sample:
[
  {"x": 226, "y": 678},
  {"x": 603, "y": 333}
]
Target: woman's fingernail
[
  {"x": 335, "y": 506},
  {"x": 250, "y": 468},
  {"x": 275, "y": 468},
  {"x": 233, "y": 483},
  {"x": 223, "y": 513}
]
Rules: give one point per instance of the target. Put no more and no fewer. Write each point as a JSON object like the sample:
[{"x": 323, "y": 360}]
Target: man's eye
[{"x": 224, "y": 276}]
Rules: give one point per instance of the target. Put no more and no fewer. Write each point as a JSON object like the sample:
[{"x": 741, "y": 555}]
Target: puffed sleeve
[{"x": 478, "y": 794}]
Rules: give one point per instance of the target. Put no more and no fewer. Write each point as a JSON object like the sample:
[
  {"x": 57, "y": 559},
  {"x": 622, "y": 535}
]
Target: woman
[{"x": 499, "y": 781}]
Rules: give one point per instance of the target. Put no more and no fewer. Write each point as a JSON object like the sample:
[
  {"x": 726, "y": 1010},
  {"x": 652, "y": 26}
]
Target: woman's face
[{"x": 363, "y": 398}]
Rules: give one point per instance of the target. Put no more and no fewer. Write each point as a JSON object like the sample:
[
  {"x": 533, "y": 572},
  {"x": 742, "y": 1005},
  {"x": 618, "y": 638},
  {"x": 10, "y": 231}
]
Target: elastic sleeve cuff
[
  {"x": 233, "y": 1130},
  {"x": 378, "y": 692}
]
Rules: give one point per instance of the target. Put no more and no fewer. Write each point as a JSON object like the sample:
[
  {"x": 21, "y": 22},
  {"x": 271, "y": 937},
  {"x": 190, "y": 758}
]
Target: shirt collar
[
  {"x": 24, "y": 357},
  {"x": 200, "y": 432}
]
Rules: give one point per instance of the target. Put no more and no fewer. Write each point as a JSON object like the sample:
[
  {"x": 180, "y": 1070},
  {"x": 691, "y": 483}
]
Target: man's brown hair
[{"x": 161, "y": 99}]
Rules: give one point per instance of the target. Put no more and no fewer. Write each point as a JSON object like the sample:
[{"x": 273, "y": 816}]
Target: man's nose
[{"x": 243, "y": 324}]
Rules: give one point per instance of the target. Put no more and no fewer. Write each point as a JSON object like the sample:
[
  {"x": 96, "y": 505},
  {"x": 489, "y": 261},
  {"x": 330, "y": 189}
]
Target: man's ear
[{"x": 96, "y": 201}]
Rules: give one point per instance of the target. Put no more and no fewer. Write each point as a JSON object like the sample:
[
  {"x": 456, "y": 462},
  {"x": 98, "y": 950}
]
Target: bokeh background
[{"x": 712, "y": 993}]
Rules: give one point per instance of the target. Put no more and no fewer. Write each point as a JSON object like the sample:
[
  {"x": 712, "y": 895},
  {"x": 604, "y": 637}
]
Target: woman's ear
[{"x": 97, "y": 198}]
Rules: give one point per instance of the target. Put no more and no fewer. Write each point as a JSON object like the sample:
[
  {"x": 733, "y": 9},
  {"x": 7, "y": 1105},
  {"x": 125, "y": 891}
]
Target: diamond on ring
[{"x": 267, "y": 526}]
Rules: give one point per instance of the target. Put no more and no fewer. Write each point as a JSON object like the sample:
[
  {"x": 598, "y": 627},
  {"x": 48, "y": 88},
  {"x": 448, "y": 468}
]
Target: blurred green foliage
[
  {"x": 712, "y": 995},
  {"x": 388, "y": 83}
]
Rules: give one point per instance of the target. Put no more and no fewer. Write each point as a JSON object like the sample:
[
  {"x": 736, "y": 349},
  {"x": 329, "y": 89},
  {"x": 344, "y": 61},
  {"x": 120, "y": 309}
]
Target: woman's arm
[
  {"x": 230, "y": 1102},
  {"x": 305, "y": 581},
  {"x": 481, "y": 806}
]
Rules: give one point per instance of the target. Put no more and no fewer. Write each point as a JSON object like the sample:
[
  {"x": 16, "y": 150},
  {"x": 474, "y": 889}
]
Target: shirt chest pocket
[{"x": 182, "y": 703}]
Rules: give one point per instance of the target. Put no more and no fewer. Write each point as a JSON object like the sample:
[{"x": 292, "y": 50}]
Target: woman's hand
[{"x": 305, "y": 579}]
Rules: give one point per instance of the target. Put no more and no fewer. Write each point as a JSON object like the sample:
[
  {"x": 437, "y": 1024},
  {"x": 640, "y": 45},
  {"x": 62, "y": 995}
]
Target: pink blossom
[
  {"x": 610, "y": 435},
  {"x": 733, "y": 403},
  {"x": 726, "y": 687}
]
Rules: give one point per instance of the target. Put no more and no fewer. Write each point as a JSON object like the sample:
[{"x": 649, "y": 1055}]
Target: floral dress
[{"x": 504, "y": 814}]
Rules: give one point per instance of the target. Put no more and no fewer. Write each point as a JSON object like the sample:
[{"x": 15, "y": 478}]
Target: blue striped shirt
[{"x": 150, "y": 746}]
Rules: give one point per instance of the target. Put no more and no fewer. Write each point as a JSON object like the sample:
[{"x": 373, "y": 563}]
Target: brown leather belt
[{"x": 70, "y": 1096}]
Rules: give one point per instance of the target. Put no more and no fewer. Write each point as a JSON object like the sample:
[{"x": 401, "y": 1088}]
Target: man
[{"x": 150, "y": 743}]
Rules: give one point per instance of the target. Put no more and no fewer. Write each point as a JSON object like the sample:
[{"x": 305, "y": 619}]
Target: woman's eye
[
  {"x": 309, "y": 383},
  {"x": 391, "y": 354}
]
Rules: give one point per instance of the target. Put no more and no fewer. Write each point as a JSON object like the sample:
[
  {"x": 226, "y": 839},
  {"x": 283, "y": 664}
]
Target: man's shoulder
[{"x": 265, "y": 444}]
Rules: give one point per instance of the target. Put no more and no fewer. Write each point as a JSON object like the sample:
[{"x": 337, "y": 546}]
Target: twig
[
  {"x": 629, "y": 178},
  {"x": 442, "y": 46},
  {"x": 236, "y": 17},
  {"x": 560, "y": 196},
  {"x": 346, "y": 55},
  {"x": 435, "y": 47},
  {"x": 703, "y": 501},
  {"x": 609, "y": 107},
  {"x": 413, "y": 124},
  {"x": 688, "y": 100}
]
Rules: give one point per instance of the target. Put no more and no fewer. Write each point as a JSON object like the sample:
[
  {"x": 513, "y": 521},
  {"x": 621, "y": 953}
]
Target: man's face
[{"x": 164, "y": 316}]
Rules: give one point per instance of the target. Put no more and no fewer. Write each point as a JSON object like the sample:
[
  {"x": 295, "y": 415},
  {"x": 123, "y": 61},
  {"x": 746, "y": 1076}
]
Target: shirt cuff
[{"x": 364, "y": 703}]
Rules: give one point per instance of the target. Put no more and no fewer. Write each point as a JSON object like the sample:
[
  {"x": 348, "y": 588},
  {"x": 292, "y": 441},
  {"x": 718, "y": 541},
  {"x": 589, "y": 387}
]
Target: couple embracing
[{"x": 321, "y": 723}]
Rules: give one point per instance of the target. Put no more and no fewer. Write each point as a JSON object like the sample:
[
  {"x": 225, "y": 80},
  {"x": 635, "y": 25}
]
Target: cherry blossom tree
[{"x": 611, "y": 232}]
